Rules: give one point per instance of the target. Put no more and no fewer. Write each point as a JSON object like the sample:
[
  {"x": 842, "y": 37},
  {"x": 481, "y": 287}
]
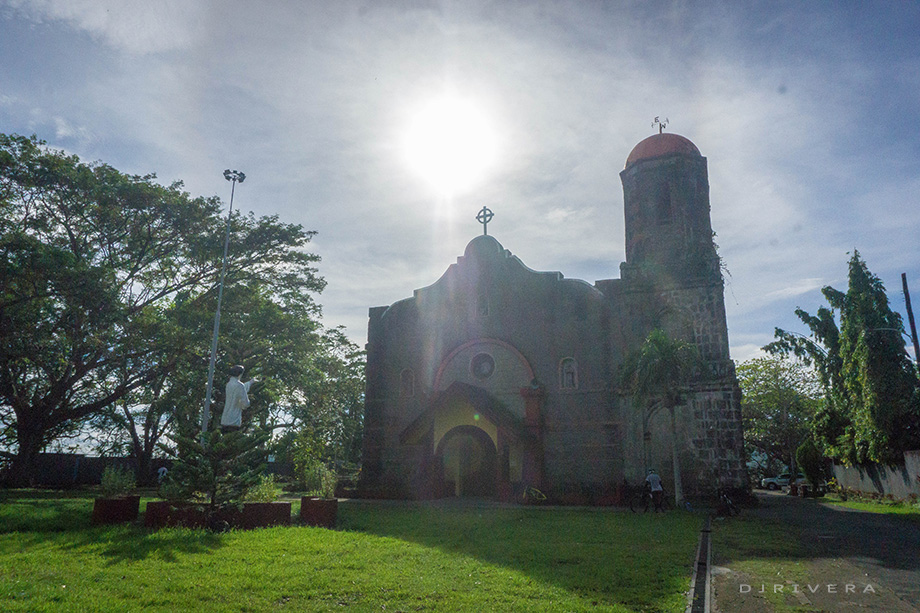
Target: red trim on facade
[
  {"x": 532, "y": 470},
  {"x": 485, "y": 340}
]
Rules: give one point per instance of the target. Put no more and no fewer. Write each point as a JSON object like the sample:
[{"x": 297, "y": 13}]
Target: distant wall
[
  {"x": 71, "y": 470},
  {"x": 65, "y": 470},
  {"x": 899, "y": 481}
]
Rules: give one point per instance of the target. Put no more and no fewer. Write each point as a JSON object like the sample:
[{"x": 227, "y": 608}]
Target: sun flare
[{"x": 450, "y": 143}]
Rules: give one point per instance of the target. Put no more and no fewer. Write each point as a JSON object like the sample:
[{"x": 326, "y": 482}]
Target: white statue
[{"x": 236, "y": 399}]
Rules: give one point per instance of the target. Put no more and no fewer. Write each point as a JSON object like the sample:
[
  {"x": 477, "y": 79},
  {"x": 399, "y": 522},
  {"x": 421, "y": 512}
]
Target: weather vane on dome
[
  {"x": 484, "y": 217},
  {"x": 661, "y": 124}
]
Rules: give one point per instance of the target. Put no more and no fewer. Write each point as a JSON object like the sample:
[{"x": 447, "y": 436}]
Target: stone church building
[{"x": 497, "y": 378}]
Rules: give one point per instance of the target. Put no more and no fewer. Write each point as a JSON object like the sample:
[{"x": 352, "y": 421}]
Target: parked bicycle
[
  {"x": 532, "y": 495},
  {"x": 640, "y": 498},
  {"x": 726, "y": 506}
]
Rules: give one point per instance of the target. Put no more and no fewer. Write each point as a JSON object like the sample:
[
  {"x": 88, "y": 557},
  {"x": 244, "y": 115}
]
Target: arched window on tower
[
  {"x": 482, "y": 304},
  {"x": 407, "y": 383},
  {"x": 568, "y": 374}
]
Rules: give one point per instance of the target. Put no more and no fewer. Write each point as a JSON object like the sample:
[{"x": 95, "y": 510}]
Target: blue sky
[{"x": 807, "y": 112}]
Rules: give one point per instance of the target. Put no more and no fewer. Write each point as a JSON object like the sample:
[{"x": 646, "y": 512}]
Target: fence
[
  {"x": 900, "y": 481},
  {"x": 64, "y": 470},
  {"x": 71, "y": 469}
]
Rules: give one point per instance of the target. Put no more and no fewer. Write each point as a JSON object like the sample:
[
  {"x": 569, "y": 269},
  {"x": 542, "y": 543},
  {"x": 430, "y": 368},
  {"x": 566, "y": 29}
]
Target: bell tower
[
  {"x": 674, "y": 276},
  {"x": 670, "y": 253},
  {"x": 666, "y": 202}
]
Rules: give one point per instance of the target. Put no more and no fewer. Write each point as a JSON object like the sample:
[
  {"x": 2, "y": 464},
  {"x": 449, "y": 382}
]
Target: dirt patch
[{"x": 728, "y": 596}]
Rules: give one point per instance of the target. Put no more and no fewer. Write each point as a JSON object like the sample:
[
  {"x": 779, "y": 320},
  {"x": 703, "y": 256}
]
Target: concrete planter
[
  {"x": 115, "y": 510},
  {"x": 264, "y": 514},
  {"x": 160, "y": 514},
  {"x": 322, "y": 512}
]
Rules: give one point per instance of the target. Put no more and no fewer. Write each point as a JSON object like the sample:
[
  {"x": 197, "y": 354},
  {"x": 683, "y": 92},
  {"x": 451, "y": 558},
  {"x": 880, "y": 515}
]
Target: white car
[{"x": 774, "y": 483}]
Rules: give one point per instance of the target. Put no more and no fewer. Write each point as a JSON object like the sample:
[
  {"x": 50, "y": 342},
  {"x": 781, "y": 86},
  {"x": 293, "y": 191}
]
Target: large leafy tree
[
  {"x": 330, "y": 413},
  {"x": 657, "y": 375},
  {"x": 309, "y": 378},
  {"x": 780, "y": 399},
  {"x": 106, "y": 280},
  {"x": 871, "y": 411},
  {"x": 339, "y": 411}
]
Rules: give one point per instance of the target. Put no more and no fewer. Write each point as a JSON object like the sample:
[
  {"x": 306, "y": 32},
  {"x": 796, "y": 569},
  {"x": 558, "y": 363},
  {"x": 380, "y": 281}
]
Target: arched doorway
[{"x": 467, "y": 457}]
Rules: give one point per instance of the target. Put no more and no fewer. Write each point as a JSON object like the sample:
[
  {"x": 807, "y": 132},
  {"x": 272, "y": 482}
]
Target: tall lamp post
[{"x": 234, "y": 176}]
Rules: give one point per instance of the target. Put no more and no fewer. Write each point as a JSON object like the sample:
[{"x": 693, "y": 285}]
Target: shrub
[
  {"x": 811, "y": 461},
  {"x": 311, "y": 472},
  {"x": 172, "y": 491},
  {"x": 266, "y": 490},
  {"x": 835, "y": 488},
  {"x": 319, "y": 480},
  {"x": 117, "y": 481}
]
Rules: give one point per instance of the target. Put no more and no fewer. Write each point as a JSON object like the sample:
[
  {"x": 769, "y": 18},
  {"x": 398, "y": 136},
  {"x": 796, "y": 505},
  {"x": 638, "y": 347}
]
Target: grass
[
  {"x": 902, "y": 509},
  {"x": 434, "y": 557}
]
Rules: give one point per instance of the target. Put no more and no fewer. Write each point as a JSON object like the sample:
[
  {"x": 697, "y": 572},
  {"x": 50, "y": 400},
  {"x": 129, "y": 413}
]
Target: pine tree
[
  {"x": 880, "y": 380},
  {"x": 872, "y": 395},
  {"x": 216, "y": 469}
]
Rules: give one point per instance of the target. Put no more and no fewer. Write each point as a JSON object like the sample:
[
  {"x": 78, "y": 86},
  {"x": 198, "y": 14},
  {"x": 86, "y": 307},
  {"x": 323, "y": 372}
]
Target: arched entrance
[{"x": 467, "y": 455}]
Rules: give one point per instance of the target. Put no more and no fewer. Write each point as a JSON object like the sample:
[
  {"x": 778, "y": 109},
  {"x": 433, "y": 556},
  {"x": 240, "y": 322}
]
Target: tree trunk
[
  {"x": 144, "y": 474},
  {"x": 142, "y": 468},
  {"x": 678, "y": 485},
  {"x": 647, "y": 437},
  {"x": 22, "y": 473}
]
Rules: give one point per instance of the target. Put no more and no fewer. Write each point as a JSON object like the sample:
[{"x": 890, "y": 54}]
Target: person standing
[{"x": 653, "y": 482}]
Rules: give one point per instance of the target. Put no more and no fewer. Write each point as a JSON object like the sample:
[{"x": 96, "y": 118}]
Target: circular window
[{"x": 482, "y": 365}]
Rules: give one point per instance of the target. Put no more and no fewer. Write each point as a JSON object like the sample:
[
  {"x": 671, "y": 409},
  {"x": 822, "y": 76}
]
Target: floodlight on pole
[{"x": 234, "y": 176}]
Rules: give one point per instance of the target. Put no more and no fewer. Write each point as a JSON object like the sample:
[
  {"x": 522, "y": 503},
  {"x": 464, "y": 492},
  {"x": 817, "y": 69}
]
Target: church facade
[{"x": 498, "y": 378}]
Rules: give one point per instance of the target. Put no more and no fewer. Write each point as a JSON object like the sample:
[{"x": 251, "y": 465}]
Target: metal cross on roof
[{"x": 484, "y": 217}]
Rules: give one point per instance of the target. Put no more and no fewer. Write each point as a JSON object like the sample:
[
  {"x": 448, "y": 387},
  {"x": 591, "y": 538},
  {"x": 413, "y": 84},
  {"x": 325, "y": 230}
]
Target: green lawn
[
  {"x": 903, "y": 509},
  {"x": 383, "y": 557}
]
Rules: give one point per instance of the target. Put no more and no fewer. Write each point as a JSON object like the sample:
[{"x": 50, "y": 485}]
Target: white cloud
[
  {"x": 136, "y": 26},
  {"x": 312, "y": 99},
  {"x": 743, "y": 353},
  {"x": 63, "y": 129},
  {"x": 799, "y": 287}
]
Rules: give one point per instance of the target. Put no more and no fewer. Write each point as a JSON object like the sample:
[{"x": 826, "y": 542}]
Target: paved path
[{"x": 847, "y": 545}]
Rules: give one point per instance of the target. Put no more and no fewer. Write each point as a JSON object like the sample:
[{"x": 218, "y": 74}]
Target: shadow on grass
[
  {"x": 119, "y": 544},
  {"x": 38, "y": 512},
  {"x": 57, "y": 518},
  {"x": 608, "y": 556}
]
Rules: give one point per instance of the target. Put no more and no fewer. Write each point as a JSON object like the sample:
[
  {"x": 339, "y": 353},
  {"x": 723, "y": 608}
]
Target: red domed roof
[{"x": 662, "y": 144}]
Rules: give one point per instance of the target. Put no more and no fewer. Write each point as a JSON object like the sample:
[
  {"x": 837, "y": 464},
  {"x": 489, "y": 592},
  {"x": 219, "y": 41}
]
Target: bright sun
[{"x": 451, "y": 144}]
